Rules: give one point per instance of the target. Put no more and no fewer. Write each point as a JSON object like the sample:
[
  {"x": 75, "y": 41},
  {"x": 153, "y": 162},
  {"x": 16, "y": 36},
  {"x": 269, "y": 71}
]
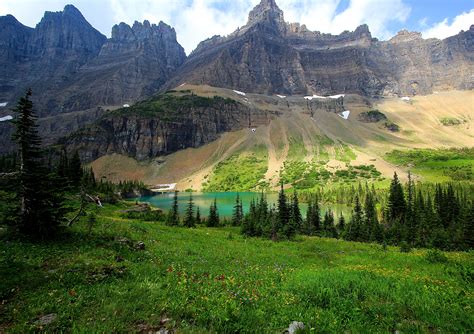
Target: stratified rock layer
[{"x": 271, "y": 56}]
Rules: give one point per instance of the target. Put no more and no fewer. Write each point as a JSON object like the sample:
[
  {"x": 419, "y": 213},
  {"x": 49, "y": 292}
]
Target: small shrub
[
  {"x": 372, "y": 116},
  {"x": 392, "y": 126},
  {"x": 436, "y": 256},
  {"x": 405, "y": 247},
  {"x": 450, "y": 121}
]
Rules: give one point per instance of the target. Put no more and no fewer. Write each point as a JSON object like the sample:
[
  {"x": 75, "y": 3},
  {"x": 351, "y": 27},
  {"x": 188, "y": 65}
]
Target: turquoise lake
[{"x": 226, "y": 201}]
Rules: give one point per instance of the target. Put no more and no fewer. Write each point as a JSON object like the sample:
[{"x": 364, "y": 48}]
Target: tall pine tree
[
  {"x": 213, "y": 219},
  {"x": 189, "y": 216},
  {"x": 237, "y": 214},
  {"x": 172, "y": 218},
  {"x": 40, "y": 201}
]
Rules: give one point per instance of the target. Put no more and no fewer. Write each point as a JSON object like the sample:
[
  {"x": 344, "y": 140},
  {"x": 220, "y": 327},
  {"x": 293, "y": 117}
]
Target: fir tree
[
  {"x": 468, "y": 227},
  {"x": 189, "y": 216},
  {"x": 261, "y": 216},
  {"x": 198, "y": 215},
  {"x": 410, "y": 210},
  {"x": 308, "y": 229},
  {"x": 248, "y": 224},
  {"x": 371, "y": 230},
  {"x": 213, "y": 219},
  {"x": 396, "y": 200},
  {"x": 313, "y": 218},
  {"x": 75, "y": 171},
  {"x": 283, "y": 213},
  {"x": 329, "y": 230},
  {"x": 296, "y": 220},
  {"x": 40, "y": 202},
  {"x": 397, "y": 211},
  {"x": 173, "y": 215},
  {"x": 63, "y": 166},
  {"x": 354, "y": 229},
  {"x": 341, "y": 226},
  {"x": 237, "y": 214}
]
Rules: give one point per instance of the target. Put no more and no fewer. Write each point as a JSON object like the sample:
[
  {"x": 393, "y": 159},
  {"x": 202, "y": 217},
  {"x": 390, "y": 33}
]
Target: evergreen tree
[
  {"x": 397, "y": 211},
  {"x": 172, "y": 218},
  {"x": 308, "y": 230},
  {"x": 341, "y": 226},
  {"x": 189, "y": 216},
  {"x": 371, "y": 230},
  {"x": 261, "y": 216},
  {"x": 468, "y": 227},
  {"x": 410, "y": 210},
  {"x": 296, "y": 220},
  {"x": 329, "y": 230},
  {"x": 396, "y": 200},
  {"x": 198, "y": 215},
  {"x": 354, "y": 229},
  {"x": 283, "y": 214},
  {"x": 40, "y": 202},
  {"x": 213, "y": 219},
  {"x": 237, "y": 214},
  {"x": 248, "y": 224},
  {"x": 63, "y": 166},
  {"x": 313, "y": 218},
  {"x": 75, "y": 171}
]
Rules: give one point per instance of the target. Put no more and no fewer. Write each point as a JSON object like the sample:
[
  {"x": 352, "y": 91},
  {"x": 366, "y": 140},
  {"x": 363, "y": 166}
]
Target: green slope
[{"x": 213, "y": 280}]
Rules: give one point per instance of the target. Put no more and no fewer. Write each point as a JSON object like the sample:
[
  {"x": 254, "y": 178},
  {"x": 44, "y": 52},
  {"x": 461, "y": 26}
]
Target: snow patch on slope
[
  {"x": 345, "y": 114},
  {"x": 324, "y": 97},
  {"x": 6, "y": 118},
  {"x": 240, "y": 93}
]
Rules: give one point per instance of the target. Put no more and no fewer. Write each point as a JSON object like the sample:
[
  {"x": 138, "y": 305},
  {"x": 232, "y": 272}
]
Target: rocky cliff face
[
  {"x": 46, "y": 57},
  {"x": 132, "y": 65},
  {"x": 72, "y": 67},
  {"x": 165, "y": 124},
  {"x": 271, "y": 56}
]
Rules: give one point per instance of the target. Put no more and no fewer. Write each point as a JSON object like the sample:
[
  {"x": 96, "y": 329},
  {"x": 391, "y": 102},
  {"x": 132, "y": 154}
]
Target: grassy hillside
[
  {"x": 308, "y": 149},
  {"x": 437, "y": 165},
  {"x": 214, "y": 280}
]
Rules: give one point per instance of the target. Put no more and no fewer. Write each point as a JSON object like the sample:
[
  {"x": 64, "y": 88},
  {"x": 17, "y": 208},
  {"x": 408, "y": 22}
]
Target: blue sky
[{"x": 196, "y": 20}]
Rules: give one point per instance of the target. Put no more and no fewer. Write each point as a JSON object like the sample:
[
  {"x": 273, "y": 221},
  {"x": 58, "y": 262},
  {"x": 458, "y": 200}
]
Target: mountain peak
[
  {"x": 266, "y": 9},
  {"x": 71, "y": 10}
]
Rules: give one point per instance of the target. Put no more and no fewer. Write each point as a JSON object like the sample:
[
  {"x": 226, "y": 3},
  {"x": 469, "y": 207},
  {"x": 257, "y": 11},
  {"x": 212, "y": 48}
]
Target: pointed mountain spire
[{"x": 266, "y": 9}]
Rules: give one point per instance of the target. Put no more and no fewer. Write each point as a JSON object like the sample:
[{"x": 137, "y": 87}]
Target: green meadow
[{"x": 214, "y": 280}]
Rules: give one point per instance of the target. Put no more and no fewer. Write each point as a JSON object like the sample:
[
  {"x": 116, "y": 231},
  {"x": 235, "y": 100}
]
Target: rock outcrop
[{"x": 163, "y": 125}]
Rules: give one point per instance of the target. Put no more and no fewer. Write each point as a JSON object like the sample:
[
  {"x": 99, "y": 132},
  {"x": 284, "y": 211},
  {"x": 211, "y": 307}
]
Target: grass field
[
  {"x": 437, "y": 165},
  {"x": 214, "y": 280}
]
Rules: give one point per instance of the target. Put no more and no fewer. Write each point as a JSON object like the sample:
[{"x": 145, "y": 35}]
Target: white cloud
[
  {"x": 196, "y": 20},
  {"x": 444, "y": 29},
  {"x": 323, "y": 16}
]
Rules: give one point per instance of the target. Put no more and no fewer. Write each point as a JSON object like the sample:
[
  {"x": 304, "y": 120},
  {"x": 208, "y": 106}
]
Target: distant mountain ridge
[
  {"x": 72, "y": 67},
  {"x": 76, "y": 73},
  {"x": 270, "y": 56}
]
